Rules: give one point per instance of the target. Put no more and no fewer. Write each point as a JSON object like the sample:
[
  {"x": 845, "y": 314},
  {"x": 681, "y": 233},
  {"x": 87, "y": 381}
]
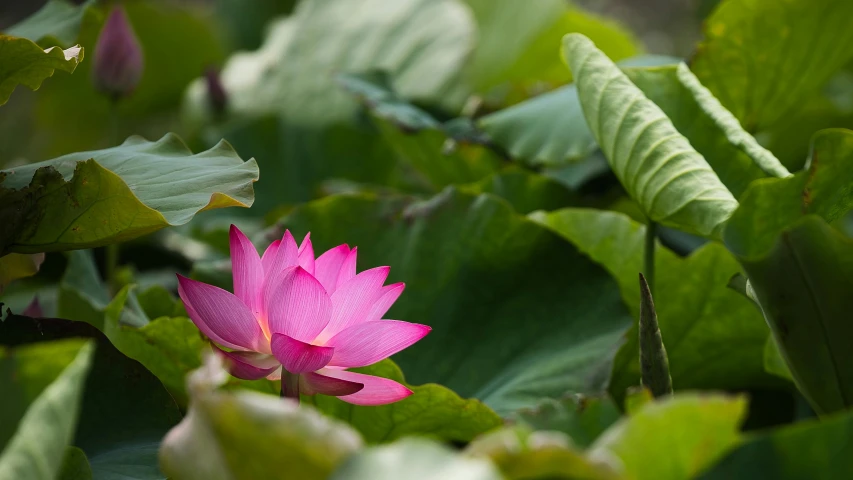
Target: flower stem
[
  {"x": 112, "y": 250},
  {"x": 289, "y": 385}
]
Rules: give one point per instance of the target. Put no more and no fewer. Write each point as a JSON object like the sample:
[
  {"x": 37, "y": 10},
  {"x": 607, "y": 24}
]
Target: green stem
[
  {"x": 289, "y": 385},
  {"x": 649, "y": 254},
  {"x": 111, "y": 265},
  {"x": 112, "y": 251}
]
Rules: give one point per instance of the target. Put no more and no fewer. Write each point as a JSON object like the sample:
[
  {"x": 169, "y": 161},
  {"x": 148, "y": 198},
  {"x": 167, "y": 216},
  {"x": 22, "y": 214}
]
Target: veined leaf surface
[
  {"x": 22, "y": 62},
  {"x": 89, "y": 199},
  {"x": 673, "y": 184}
]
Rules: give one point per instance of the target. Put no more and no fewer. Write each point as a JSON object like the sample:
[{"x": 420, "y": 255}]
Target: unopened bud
[
  {"x": 118, "y": 60},
  {"x": 217, "y": 97}
]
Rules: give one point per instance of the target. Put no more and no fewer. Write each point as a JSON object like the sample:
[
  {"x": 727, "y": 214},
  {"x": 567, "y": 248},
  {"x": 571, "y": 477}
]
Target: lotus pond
[{"x": 426, "y": 239}]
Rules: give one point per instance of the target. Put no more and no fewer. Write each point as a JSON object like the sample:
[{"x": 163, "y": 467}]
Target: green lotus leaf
[
  {"x": 762, "y": 59},
  {"x": 714, "y": 337},
  {"x": 95, "y": 198},
  {"x": 696, "y": 430},
  {"x": 672, "y": 182},
  {"x": 23, "y": 62},
  {"x": 244, "y": 434},
  {"x": 415, "y": 459},
  {"x": 42, "y": 393}
]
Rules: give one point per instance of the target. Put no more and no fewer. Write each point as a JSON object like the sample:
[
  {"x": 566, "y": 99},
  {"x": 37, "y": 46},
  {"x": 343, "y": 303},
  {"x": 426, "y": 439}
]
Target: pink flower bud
[
  {"x": 118, "y": 60},
  {"x": 217, "y": 97}
]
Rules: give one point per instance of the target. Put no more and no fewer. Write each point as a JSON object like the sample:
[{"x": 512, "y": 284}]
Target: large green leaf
[
  {"x": 814, "y": 450},
  {"x": 674, "y": 438},
  {"x": 671, "y": 181},
  {"x": 425, "y": 150},
  {"x": 169, "y": 347},
  {"x": 136, "y": 461},
  {"x": 825, "y": 188},
  {"x": 75, "y": 465},
  {"x": 291, "y": 74},
  {"x": 42, "y": 391},
  {"x": 507, "y": 68},
  {"x": 763, "y": 58},
  {"x": 523, "y": 454},
  {"x": 25, "y": 63},
  {"x": 525, "y": 190},
  {"x": 415, "y": 459},
  {"x": 504, "y": 341},
  {"x": 733, "y": 154},
  {"x": 493, "y": 60},
  {"x": 83, "y": 297},
  {"x": 549, "y": 129},
  {"x": 123, "y": 408},
  {"x": 58, "y": 21},
  {"x": 583, "y": 419},
  {"x": 540, "y": 61},
  {"x": 416, "y": 138},
  {"x": 800, "y": 268},
  {"x": 534, "y": 131},
  {"x": 802, "y": 284},
  {"x": 94, "y": 198},
  {"x": 236, "y": 435},
  {"x": 714, "y": 337},
  {"x": 432, "y": 411}
]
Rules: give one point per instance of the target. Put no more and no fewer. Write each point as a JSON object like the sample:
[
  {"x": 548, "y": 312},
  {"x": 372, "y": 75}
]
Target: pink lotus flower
[{"x": 313, "y": 318}]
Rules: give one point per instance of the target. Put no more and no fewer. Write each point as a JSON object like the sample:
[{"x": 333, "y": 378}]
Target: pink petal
[
  {"x": 298, "y": 306},
  {"x": 347, "y": 272},
  {"x": 285, "y": 255},
  {"x": 352, "y": 300},
  {"x": 299, "y": 357},
  {"x": 277, "y": 260},
  {"x": 313, "y": 383},
  {"x": 376, "y": 391},
  {"x": 306, "y": 254},
  {"x": 247, "y": 270},
  {"x": 389, "y": 295},
  {"x": 249, "y": 365},
  {"x": 369, "y": 342},
  {"x": 328, "y": 266},
  {"x": 275, "y": 375},
  {"x": 221, "y": 316},
  {"x": 269, "y": 256}
]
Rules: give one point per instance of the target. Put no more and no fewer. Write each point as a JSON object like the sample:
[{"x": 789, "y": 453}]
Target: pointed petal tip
[
  {"x": 317, "y": 383},
  {"x": 220, "y": 315},
  {"x": 369, "y": 342}
]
